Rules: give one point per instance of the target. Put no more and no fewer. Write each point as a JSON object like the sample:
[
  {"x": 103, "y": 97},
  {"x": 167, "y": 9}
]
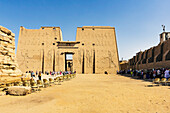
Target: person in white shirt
[
  {"x": 166, "y": 74},
  {"x": 158, "y": 73}
]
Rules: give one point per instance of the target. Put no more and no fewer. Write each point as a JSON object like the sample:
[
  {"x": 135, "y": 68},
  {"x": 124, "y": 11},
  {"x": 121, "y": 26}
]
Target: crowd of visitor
[
  {"x": 39, "y": 74},
  {"x": 148, "y": 73}
]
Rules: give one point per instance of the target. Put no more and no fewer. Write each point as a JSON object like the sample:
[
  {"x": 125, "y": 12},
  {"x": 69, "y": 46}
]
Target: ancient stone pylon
[
  {"x": 99, "y": 46},
  {"x": 94, "y": 51}
]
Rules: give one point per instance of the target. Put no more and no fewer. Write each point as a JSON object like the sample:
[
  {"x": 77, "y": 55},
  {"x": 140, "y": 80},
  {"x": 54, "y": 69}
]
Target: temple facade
[{"x": 93, "y": 52}]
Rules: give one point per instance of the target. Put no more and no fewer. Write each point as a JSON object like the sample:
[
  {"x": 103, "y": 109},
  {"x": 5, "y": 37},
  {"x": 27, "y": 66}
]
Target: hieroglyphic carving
[
  {"x": 79, "y": 56},
  {"x": 23, "y": 62},
  {"x": 101, "y": 39},
  {"x": 57, "y": 62},
  {"x": 88, "y": 58},
  {"x": 111, "y": 61},
  {"x": 49, "y": 58}
]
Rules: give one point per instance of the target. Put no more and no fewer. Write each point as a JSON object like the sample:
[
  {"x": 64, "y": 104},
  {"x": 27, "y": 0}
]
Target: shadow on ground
[
  {"x": 136, "y": 77},
  {"x": 144, "y": 80}
]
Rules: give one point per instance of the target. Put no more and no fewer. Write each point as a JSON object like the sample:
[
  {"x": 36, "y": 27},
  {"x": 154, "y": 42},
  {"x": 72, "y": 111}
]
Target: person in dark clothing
[
  {"x": 134, "y": 73},
  {"x": 147, "y": 74},
  {"x": 39, "y": 75},
  {"x": 36, "y": 73},
  {"x": 151, "y": 74},
  {"x": 142, "y": 74}
]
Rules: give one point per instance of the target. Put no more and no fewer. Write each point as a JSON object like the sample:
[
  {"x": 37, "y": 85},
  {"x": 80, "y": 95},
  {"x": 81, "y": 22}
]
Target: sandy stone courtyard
[{"x": 92, "y": 94}]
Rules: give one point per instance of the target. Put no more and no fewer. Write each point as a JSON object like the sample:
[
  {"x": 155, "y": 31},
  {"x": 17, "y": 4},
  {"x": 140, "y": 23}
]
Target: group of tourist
[
  {"x": 52, "y": 73},
  {"x": 148, "y": 73}
]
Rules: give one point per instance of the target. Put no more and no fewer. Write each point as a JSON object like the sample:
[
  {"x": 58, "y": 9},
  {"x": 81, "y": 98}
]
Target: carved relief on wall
[
  {"x": 111, "y": 61},
  {"x": 23, "y": 62},
  {"x": 26, "y": 58},
  {"x": 88, "y": 58},
  {"x": 57, "y": 57},
  {"x": 49, "y": 58},
  {"x": 79, "y": 56}
]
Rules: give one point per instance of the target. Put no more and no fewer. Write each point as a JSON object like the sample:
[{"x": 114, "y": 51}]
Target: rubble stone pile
[{"x": 8, "y": 63}]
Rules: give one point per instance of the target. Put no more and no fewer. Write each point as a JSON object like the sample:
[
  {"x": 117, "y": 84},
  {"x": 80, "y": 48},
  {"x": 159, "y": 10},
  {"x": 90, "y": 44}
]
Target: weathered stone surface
[
  {"x": 123, "y": 65},
  {"x": 97, "y": 50},
  {"x": 19, "y": 90},
  {"x": 155, "y": 57},
  {"x": 94, "y": 51},
  {"x": 5, "y": 30},
  {"x": 8, "y": 64}
]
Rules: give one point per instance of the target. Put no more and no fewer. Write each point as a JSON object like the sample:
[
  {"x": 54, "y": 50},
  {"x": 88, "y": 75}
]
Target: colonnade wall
[{"x": 155, "y": 57}]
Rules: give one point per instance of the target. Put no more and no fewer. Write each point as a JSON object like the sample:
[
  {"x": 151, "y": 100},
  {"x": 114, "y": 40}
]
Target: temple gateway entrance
[
  {"x": 93, "y": 52},
  {"x": 68, "y": 61}
]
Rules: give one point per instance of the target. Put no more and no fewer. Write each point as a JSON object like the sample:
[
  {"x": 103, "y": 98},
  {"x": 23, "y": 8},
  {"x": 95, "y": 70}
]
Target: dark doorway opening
[{"x": 68, "y": 61}]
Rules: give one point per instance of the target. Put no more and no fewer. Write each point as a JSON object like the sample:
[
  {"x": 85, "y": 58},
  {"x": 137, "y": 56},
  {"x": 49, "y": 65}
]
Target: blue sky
[{"x": 137, "y": 22}]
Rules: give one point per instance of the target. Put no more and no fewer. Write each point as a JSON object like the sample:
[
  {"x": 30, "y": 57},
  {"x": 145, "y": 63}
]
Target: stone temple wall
[
  {"x": 97, "y": 50},
  {"x": 155, "y": 57},
  {"x": 94, "y": 51},
  {"x": 36, "y": 48},
  {"x": 8, "y": 63}
]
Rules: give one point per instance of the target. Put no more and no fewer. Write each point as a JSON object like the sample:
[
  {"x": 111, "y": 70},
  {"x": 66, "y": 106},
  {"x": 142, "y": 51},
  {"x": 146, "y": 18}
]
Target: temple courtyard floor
[{"x": 92, "y": 94}]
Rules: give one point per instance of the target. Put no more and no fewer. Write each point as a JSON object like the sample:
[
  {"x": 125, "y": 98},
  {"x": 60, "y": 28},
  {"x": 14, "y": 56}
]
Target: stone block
[
  {"x": 18, "y": 90},
  {"x": 13, "y": 74},
  {"x": 8, "y": 63},
  {"x": 5, "y": 30},
  {"x": 12, "y": 34}
]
